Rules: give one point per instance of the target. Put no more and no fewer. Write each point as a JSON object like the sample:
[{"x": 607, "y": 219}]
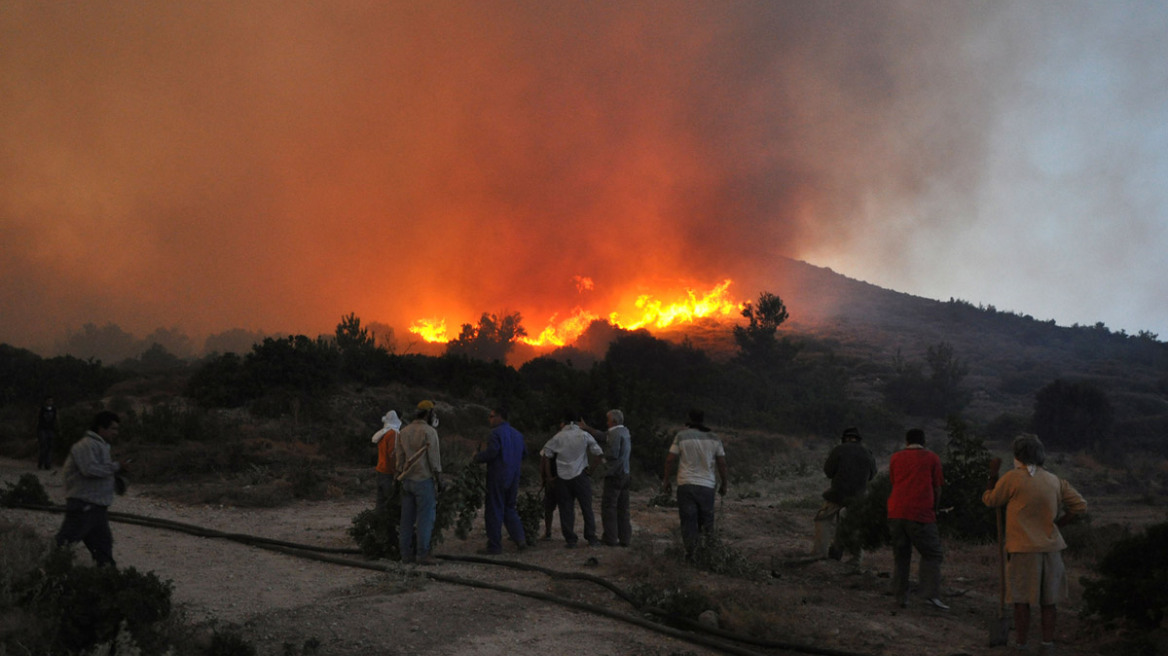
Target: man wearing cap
[
  {"x": 419, "y": 466},
  {"x": 849, "y": 466},
  {"x": 568, "y": 451},
  {"x": 700, "y": 460}
]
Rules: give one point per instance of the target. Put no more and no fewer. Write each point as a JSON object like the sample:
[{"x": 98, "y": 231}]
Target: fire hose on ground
[{"x": 698, "y": 634}]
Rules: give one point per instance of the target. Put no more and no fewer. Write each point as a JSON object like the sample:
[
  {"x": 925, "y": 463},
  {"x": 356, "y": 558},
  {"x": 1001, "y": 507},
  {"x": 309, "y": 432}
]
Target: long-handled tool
[{"x": 1000, "y": 626}]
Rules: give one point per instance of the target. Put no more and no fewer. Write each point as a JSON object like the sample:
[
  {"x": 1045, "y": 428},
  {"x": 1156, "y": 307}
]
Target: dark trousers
[
  {"x": 571, "y": 491},
  {"x": 551, "y": 501},
  {"x": 614, "y": 511},
  {"x": 907, "y": 534},
  {"x": 387, "y": 487},
  {"x": 45, "y": 448},
  {"x": 88, "y": 523},
  {"x": 502, "y": 508},
  {"x": 695, "y": 507}
]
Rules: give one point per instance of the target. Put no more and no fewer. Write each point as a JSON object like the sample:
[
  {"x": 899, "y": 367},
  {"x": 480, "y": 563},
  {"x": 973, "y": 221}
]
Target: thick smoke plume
[{"x": 275, "y": 166}]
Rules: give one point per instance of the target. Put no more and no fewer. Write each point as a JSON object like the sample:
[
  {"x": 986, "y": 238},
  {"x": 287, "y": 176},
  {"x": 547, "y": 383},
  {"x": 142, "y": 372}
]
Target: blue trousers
[
  {"x": 502, "y": 508},
  {"x": 419, "y": 504}
]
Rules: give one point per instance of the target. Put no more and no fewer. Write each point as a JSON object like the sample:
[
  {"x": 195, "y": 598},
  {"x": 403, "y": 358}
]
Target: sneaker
[{"x": 936, "y": 602}]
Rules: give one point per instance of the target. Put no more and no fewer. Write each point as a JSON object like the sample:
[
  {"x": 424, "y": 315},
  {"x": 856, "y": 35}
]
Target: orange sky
[{"x": 275, "y": 166}]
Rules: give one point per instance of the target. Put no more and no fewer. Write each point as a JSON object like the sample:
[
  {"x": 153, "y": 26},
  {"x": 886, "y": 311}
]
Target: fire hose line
[{"x": 697, "y": 634}]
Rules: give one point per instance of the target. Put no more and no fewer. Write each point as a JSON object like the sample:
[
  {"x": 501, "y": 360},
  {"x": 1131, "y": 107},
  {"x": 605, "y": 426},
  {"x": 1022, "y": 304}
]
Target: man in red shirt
[{"x": 916, "y": 478}]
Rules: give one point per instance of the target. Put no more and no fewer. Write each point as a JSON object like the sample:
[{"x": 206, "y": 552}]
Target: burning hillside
[{"x": 658, "y": 310}]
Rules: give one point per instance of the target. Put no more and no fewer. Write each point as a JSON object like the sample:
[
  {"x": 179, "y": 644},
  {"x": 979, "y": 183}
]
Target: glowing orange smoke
[{"x": 647, "y": 311}]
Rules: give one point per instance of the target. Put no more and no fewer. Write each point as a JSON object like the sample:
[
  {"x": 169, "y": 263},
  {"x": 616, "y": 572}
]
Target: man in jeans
[
  {"x": 419, "y": 466},
  {"x": 916, "y": 478},
  {"x": 614, "y": 501},
  {"x": 700, "y": 459}
]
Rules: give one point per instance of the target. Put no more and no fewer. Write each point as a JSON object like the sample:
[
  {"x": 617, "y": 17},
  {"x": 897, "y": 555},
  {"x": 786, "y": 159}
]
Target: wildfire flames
[{"x": 647, "y": 311}]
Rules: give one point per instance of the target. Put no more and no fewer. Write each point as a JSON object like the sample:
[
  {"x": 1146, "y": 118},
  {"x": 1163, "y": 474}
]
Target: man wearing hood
[
  {"x": 385, "y": 439},
  {"x": 89, "y": 489}
]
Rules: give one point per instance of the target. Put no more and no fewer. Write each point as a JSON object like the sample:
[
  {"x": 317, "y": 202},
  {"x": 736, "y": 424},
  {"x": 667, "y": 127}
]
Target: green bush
[
  {"x": 713, "y": 554},
  {"x": 26, "y": 491},
  {"x": 530, "y": 508},
  {"x": 864, "y": 525},
  {"x": 376, "y": 534},
  {"x": 229, "y": 643},
  {"x": 1133, "y": 580},
  {"x": 73, "y": 607},
  {"x": 681, "y": 600},
  {"x": 965, "y": 465}
]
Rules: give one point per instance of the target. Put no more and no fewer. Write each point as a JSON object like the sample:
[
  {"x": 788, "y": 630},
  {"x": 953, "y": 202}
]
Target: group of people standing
[
  {"x": 1036, "y": 502},
  {"x": 410, "y": 455}
]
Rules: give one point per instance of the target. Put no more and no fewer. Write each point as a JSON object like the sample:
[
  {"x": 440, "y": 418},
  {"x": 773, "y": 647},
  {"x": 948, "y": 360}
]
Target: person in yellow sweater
[{"x": 1037, "y": 503}]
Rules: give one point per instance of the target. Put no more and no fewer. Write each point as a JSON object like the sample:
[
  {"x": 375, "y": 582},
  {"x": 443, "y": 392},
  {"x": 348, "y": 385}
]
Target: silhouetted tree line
[
  {"x": 26, "y": 378},
  {"x": 777, "y": 381}
]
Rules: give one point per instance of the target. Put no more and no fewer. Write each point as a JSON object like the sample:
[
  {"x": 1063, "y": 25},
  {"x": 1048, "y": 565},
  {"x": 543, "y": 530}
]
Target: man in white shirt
[
  {"x": 700, "y": 460},
  {"x": 568, "y": 452}
]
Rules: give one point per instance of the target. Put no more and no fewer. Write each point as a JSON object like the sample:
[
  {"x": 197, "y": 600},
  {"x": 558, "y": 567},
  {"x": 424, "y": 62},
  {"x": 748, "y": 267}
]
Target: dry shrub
[
  {"x": 755, "y": 611},
  {"x": 21, "y": 550}
]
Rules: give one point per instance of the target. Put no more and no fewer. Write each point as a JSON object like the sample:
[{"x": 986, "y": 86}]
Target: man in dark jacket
[
  {"x": 503, "y": 454},
  {"x": 849, "y": 466}
]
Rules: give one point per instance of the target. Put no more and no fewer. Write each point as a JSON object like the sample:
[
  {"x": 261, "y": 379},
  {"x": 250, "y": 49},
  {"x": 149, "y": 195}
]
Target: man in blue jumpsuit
[{"x": 503, "y": 454}]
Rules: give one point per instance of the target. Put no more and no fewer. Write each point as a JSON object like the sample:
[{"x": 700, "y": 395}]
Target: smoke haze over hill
[{"x": 274, "y": 167}]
